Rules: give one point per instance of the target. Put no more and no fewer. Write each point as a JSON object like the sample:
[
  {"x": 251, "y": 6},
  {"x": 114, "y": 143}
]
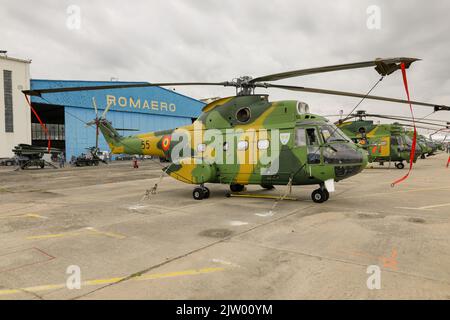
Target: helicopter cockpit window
[
  {"x": 313, "y": 148},
  {"x": 408, "y": 141},
  {"x": 332, "y": 133}
]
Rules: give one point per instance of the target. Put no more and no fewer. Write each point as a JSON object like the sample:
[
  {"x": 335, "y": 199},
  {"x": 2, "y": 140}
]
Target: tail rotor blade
[
  {"x": 96, "y": 136},
  {"x": 94, "y": 104},
  {"x": 106, "y": 110}
]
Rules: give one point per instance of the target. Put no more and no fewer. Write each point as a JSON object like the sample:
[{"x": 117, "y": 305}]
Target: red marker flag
[
  {"x": 41, "y": 123},
  {"x": 413, "y": 147}
]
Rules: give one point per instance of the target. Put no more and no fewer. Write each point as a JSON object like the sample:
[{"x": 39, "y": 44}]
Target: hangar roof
[{"x": 148, "y": 100}]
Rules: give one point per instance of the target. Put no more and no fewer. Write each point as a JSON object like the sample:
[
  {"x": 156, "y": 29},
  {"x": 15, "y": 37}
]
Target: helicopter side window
[
  {"x": 394, "y": 141},
  {"x": 312, "y": 142},
  {"x": 311, "y": 137},
  {"x": 408, "y": 141},
  {"x": 201, "y": 147},
  {"x": 263, "y": 144},
  {"x": 242, "y": 145},
  {"x": 300, "y": 138}
]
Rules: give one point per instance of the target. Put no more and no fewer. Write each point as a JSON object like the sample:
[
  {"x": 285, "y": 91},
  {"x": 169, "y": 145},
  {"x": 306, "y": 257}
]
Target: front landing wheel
[
  {"x": 198, "y": 194},
  {"x": 205, "y": 193},
  {"x": 327, "y": 194},
  {"x": 320, "y": 195},
  {"x": 400, "y": 165}
]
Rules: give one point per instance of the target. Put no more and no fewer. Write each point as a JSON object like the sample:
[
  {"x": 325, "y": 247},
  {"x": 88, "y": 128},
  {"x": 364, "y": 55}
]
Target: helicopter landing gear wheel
[
  {"x": 267, "y": 186},
  {"x": 236, "y": 187},
  {"x": 320, "y": 195},
  {"x": 399, "y": 165},
  {"x": 197, "y": 194},
  {"x": 205, "y": 192},
  {"x": 200, "y": 193},
  {"x": 327, "y": 194}
]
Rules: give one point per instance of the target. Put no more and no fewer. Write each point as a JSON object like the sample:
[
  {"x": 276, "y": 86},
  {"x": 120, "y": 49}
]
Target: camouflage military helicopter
[
  {"x": 247, "y": 139},
  {"x": 383, "y": 142},
  {"x": 389, "y": 142},
  {"x": 427, "y": 147}
]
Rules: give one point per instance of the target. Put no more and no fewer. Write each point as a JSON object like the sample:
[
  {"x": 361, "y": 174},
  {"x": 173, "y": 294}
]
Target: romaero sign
[{"x": 120, "y": 102}]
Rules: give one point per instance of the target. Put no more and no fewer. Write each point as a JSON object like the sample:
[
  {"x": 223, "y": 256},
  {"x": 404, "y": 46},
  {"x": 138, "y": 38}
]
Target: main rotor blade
[
  {"x": 400, "y": 119},
  {"x": 382, "y": 66},
  {"x": 351, "y": 94},
  {"x": 409, "y": 118},
  {"x": 39, "y": 92},
  {"x": 126, "y": 129},
  {"x": 420, "y": 127}
]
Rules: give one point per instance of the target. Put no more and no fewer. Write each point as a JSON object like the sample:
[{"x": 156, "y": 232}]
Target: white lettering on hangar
[{"x": 138, "y": 103}]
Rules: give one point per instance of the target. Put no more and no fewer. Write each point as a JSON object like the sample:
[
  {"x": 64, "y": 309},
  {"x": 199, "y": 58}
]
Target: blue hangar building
[{"x": 143, "y": 109}]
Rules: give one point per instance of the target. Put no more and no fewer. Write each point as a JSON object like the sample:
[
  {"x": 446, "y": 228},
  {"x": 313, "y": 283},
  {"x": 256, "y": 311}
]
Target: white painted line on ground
[
  {"x": 269, "y": 213},
  {"x": 426, "y": 207},
  {"x": 227, "y": 263},
  {"x": 238, "y": 223},
  {"x": 136, "y": 207}
]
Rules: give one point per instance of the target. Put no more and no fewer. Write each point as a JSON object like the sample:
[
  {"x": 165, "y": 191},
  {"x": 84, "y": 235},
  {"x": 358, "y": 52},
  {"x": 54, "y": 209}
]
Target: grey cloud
[{"x": 214, "y": 40}]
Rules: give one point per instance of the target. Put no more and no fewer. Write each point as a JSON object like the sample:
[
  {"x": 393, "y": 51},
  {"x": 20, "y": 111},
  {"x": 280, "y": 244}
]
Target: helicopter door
[
  {"x": 276, "y": 161},
  {"x": 313, "y": 146},
  {"x": 307, "y": 148},
  {"x": 238, "y": 158},
  {"x": 379, "y": 147}
]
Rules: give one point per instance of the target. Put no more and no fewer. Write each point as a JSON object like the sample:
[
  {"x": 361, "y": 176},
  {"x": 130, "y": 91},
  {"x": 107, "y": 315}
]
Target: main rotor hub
[
  {"x": 361, "y": 114},
  {"x": 244, "y": 86}
]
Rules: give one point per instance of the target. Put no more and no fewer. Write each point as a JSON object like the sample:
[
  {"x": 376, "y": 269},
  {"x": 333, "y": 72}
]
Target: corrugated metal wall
[
  {"x": 124, "y": 112},
  {"x": 79, "y": 137}
]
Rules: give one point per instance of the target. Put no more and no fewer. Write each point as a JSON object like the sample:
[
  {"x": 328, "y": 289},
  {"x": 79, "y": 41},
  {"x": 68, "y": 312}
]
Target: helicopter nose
[
  {"x": 365, "y": 158},
  {"x": 349, "y": 160}
]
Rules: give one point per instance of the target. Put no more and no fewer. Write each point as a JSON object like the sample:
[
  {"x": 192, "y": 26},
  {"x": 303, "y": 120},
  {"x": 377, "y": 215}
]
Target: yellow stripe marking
[
  {"x": 28, "y": 215},
  {"x": 115, "y": 280},
  {"x": 34, "y": 215},
  {"x": 263, "y": 196},
  {"x": 56, "y": 235},
  {"x": 87, "y": 231},
  {"x": 108, "y": 234}
]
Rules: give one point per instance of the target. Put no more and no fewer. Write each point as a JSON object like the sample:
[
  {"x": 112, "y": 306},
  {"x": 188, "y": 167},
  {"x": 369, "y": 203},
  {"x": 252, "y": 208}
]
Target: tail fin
[{"x": 112, "y": 137}]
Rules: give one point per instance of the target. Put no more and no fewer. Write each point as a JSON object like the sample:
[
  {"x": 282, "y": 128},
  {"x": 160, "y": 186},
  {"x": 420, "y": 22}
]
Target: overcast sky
[{"x": 217, "y": 40}]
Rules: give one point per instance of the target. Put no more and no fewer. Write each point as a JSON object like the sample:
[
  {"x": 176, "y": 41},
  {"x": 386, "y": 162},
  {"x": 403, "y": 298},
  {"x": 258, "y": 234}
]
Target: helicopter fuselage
[
  {"x": 383, "y": 142},
  {"x": 249, "y": 140}
]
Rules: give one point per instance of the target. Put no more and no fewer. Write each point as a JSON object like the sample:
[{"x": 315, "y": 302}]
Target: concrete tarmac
[{"x": 56, "y": 222}]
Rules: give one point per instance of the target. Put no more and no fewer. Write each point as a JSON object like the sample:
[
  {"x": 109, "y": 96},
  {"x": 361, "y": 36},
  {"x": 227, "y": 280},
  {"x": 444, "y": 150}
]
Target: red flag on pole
[
  {"x": 41, "y": 123},
  {"x": 413, "y": 147}
]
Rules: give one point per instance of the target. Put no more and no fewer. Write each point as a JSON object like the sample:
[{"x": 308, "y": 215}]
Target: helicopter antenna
[{"x": 367, "y": 94}]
